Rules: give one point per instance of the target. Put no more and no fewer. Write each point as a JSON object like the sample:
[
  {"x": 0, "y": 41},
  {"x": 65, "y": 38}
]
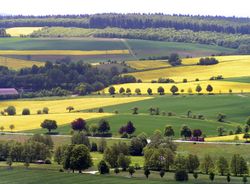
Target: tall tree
[
  {"x": 49, "y": 124},
  {"x": 169, "y": 131},
  {"x": 222, "y": 165},
  {"x": 79, "y": 124},
  {"x": 207, "y": 164}
]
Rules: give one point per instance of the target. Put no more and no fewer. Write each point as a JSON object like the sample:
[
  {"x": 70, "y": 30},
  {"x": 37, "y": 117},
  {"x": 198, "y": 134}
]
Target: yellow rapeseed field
[
  {"x": 18, "y": 31},
  {"x": 18, "y": 63},
  {"x": 63, "y": 52},
  {"x": 147, "y": 64},
  {"x": 233, "y": 68},
  {"x": 189, "y": 61},
  {"x": 59, "y": 106},
  {"x": 226, "y": 138},
  {"x": 218, "y": 87},
  {"x": 57, "y": 110},
  {"x": 31, "y": 122}
]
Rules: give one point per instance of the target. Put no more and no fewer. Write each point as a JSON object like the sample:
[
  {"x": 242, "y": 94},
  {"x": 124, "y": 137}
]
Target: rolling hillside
[
  {"x": 137, "y": 48},
  {"x": 185, "y": 88},
  {"x": 229, "y": 66},
  {"x": 57, "y": 111},
  {"x": 16, "y": 64}
]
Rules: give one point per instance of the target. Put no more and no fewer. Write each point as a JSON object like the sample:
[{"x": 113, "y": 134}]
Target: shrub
[
  {"x": 221, "y": 117},
  {"x": 39, "y": 112},
  {"x": 116, "y": 170},
  {"x": 211, "y": 176},
  {"x": 131, "y": 170},
  {"x": 195, "y": 175},
  {"x": 103, "y": 168},
  {"x": 208, "y": 61},
  {"x": 174, "y": 59},
  {"x": 124, "y": 136},
  {"x": 94, "y": 147},
  {"x": 146, "y": 172},
  {"x": 171, "y": 114},
  {"x": 100, "y": 110},
  {"x": 181, "y": 175},
  {"x": 200, "y": 116},
  {"x": 111, "y": 90},
  {"x": 162, "y": 173},
  {"x": 138, "y": 91},
  {"x": 70, "y": 108},
  {"x": 47, "y": 161},
  {"x": 45, "y": 110},
  {"x": 26, "y": 111},
  {"x": 11, "y": 110}
]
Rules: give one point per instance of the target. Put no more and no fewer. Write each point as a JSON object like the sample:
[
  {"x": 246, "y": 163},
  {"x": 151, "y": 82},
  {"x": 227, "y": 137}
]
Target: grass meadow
[{"x": 235, "y": 107}]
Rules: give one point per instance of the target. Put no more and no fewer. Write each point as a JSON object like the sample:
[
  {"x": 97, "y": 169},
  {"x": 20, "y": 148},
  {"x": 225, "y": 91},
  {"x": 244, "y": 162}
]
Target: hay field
[
  {"x": 63, "y": 52},
  {"x": 18, "y": 63},
  {"x": 147, "y": 64},
  {"x": 233, "y": 68},
  {"x": 31, "y": 122},
  {"x": 18, "y": 31},
  {"x": 59, "y": 106},
  {"x": 218, "y": 87}
]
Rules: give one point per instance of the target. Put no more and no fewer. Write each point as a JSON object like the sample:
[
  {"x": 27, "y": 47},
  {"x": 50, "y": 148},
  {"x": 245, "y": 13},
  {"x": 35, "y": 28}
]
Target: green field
[
  {"x": 148, "y": 124},
  {"x": 31, "y": 176},
  {"x": 235, "y": 107},
  {"x": 144, "y": 48},
  {"x": 60, "y": 44},
  {"x": 138, "y": 48},
  {"x": 239, "y": 79}
]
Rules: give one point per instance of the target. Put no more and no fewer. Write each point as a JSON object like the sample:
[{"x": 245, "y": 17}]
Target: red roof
[{"x": 8, "y": 91}]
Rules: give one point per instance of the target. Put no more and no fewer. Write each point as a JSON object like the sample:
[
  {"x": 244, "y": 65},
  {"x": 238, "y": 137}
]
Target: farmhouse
[{"x": 8, "y": 93}]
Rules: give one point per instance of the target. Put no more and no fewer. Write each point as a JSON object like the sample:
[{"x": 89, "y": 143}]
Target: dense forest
[
  {"x": 61, "y": 79},
  {"x": 156, "y": 34},
  {"x": 221, "y": 24}
]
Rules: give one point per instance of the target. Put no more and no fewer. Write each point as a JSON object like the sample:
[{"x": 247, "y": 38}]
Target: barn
[{"x": 6, "y": 93}]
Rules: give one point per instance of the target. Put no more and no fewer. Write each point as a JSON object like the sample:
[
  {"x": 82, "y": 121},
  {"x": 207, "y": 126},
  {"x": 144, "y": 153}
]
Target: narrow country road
[{"x": 117, "y": 138}]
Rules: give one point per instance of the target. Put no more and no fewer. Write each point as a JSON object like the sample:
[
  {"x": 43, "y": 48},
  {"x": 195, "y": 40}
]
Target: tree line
[
  {"x": 60, "y": 79},
  {"x": 160, "y": 154},
  {"x": 38, "y": 147},
  {"x": 134, "y": 21},
  {"x": 155, "y": 34}
]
